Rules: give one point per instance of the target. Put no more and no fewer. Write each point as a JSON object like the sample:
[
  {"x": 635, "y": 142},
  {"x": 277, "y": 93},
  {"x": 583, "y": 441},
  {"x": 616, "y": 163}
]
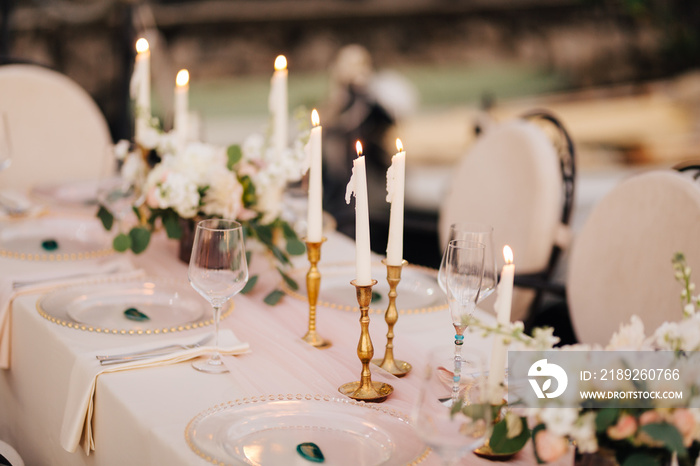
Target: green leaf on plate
[
  {"x": 140, "y": 237},
  {"x": 122, "y": 242},
  {"x": 105, "y": 217},
  {"x": 376, "y": 297},
  {"x": 274, "y": 297},
  {"x": 311, "y": 452},
  {"x": 251, "y": 283},
  {"x": 134, "y": 314},
  {"x": 49, "y": 245},
  {"x": 291, "y": 283}
]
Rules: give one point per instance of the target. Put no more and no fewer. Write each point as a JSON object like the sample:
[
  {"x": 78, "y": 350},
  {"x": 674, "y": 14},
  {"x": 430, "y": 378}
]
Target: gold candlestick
[
  {"x": 389, "y": 364},
  {"x": 313, "y": 284},
  {"x": 365, "y": 389}
]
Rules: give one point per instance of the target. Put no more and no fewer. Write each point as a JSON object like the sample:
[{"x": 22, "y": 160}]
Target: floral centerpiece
[
  {"x": 176, "y": 186},
  {"x": 651, "y": 433}
]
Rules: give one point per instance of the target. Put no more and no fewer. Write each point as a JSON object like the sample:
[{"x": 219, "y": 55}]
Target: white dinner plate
[
  {"x": 169, "y": 305},
  {"x": 417, "y": 292},
  {"x": 75, "y": 237},
  {"x": 267, "y": 431}
]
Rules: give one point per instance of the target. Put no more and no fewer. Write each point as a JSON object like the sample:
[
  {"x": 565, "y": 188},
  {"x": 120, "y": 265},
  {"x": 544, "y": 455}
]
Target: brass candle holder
[
  {"x": 389, "y": 364},
  {"x": 313, "y": 284},
  {"x": 485, "y": 450},
  {"x": 365, "y": 389}
]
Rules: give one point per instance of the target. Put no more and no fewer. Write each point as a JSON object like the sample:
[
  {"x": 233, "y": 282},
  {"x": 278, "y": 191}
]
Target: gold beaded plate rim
[
  {"x": 299, "y": 274},
  {"x": 56, "y": 257},
  {"x": 69, "y": 323},
  {"x": 315, "y": 398}
]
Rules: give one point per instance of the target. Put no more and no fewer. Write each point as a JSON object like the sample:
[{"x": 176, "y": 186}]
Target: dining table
[{"x": 151, "y": 415}]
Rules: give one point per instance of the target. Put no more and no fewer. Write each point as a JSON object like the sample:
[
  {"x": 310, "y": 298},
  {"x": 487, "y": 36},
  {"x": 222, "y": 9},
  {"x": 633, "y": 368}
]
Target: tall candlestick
[
  {"x": 503, "y": 308},
  {"x": 180, "y": 120},
  {"x": 395, "y": 181},
  {"x": 315, "y": 212},
  {"x": 358, "y": 185},
  {"x": 141, "y": 87},
  {"x": 279, "y": 105}
]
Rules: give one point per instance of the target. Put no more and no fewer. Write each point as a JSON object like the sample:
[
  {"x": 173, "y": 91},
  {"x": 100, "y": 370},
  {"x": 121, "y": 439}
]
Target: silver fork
[{"x": 150, "y": 353}]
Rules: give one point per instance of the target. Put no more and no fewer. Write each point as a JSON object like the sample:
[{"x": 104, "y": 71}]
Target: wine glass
[
  {"x": 118, "y": 195},
  {"x": 464, "y": 271},
  {"x": 453, "y": 430},
  {"x": 480, "y": 233},
  {"x": 218, "y": 270},
  {"x": 5, "y": 143}
]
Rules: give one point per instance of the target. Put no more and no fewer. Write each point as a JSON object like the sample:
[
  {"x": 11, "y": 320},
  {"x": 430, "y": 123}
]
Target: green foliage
[
  {"x": 235, "y": 154},
  {"x": 273, "y": 297},
  {"x": 291, "y": 283},
  {"x": 122, "y": 242},
  {"x": 105, "y": 217},
  {"x": 605, "y": 418},
  {"x": 140, "y": 237},
  {"x": 668, "y": 434},
  {"x": 251, "y": 283},
  {"x": 171, "y": 223},
  {"x": 501, "y": 444}
]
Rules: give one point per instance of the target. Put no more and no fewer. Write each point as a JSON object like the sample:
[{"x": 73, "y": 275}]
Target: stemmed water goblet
[
  {"x": 218, "y": 271},
  {"x": 453, "y": 429},
  {"x": 480, "y": 233},
  {"x": 464, "y": 271}
]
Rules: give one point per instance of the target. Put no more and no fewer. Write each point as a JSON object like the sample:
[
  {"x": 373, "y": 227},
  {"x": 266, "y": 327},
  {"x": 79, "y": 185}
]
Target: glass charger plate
[
  {"x": 267, "y": 431},
  {"x": 418, "y": 291},
  {"x": 73, "y": 193},
  {"x": 170, "y": 306},
  {"x": 74, "y": 238}
]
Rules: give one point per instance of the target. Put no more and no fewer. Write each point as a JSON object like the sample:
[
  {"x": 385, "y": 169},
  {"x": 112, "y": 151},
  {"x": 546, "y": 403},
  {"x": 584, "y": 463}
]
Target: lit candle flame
[
  {"x": 280, "y": 63},
  {"x": 182, "y": 78},
  {"x": 315, "y": 120},
  {"x": 508, "y": 254},
  {"x": 399, "y": 145},
  {"x": 141, "y": 45},
  {"x": 358, "y": 148}
]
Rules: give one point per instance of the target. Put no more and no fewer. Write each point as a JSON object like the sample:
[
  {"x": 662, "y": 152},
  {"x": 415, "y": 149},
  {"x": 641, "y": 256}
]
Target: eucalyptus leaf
[
  {"x": 134, "y": 314},
  {"x": 248, "y": 256},
  {"x": 235, "y": 154},
  {"x": 641, "y": 459},
  {"x": 105, "y": 217},
  {"x": 122, "y": 242},
  {"x": 295, "y": 247},
  {"x": 605, "y": 418},
  {"x": 172, "y": 225},
  {"x": 501, "y": 444},
  {"x": 279, "y": 255},
  {"x": 288, "y": 231},
  {"x": 291, "y": 283},
  {"x": 251, "y": 283},
  {"x": 140, "y": 237},
  {"x": 273, "y": 297},
  {"x": 668, "y": 434}
]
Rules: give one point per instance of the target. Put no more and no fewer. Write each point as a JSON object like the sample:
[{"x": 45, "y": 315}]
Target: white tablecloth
[{"x": 141, "y": 415}]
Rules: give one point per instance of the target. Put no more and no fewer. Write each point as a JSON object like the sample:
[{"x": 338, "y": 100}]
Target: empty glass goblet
[
  {"x": 453, "y": 427},
  {"x": 218, "y": 270}
]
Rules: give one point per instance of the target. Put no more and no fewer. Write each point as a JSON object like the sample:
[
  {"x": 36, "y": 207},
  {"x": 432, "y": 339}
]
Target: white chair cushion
[
  {"x": 57, "y": 131},
  {"x": 620, "y": 262},
  {"x": 510, "y": 179}
]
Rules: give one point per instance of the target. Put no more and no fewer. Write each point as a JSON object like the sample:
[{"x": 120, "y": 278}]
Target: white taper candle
[
  {"x": 395, "y": 181},
  {"x": 358, "y": 185},
  {"x": 315, "y": 209}
]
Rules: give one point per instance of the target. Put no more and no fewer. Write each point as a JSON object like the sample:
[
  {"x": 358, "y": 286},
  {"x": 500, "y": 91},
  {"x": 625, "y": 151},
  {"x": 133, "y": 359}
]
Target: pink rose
[
  {"x": 650, "y": 417},
  {"x": 684, "y": 421},
  {"x": 626, "y": 427},
  {"x": 549, "y": 446}
]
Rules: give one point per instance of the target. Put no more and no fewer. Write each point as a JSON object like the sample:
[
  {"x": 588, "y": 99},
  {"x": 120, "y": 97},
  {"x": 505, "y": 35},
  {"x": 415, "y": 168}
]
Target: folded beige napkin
[
  {"x": 79, "y": 413},
  {"x": 48, "y": 281}
]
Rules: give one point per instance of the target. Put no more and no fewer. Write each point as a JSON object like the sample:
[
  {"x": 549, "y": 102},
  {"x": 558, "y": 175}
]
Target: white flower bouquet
[{"x": 176, "y": 186}]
